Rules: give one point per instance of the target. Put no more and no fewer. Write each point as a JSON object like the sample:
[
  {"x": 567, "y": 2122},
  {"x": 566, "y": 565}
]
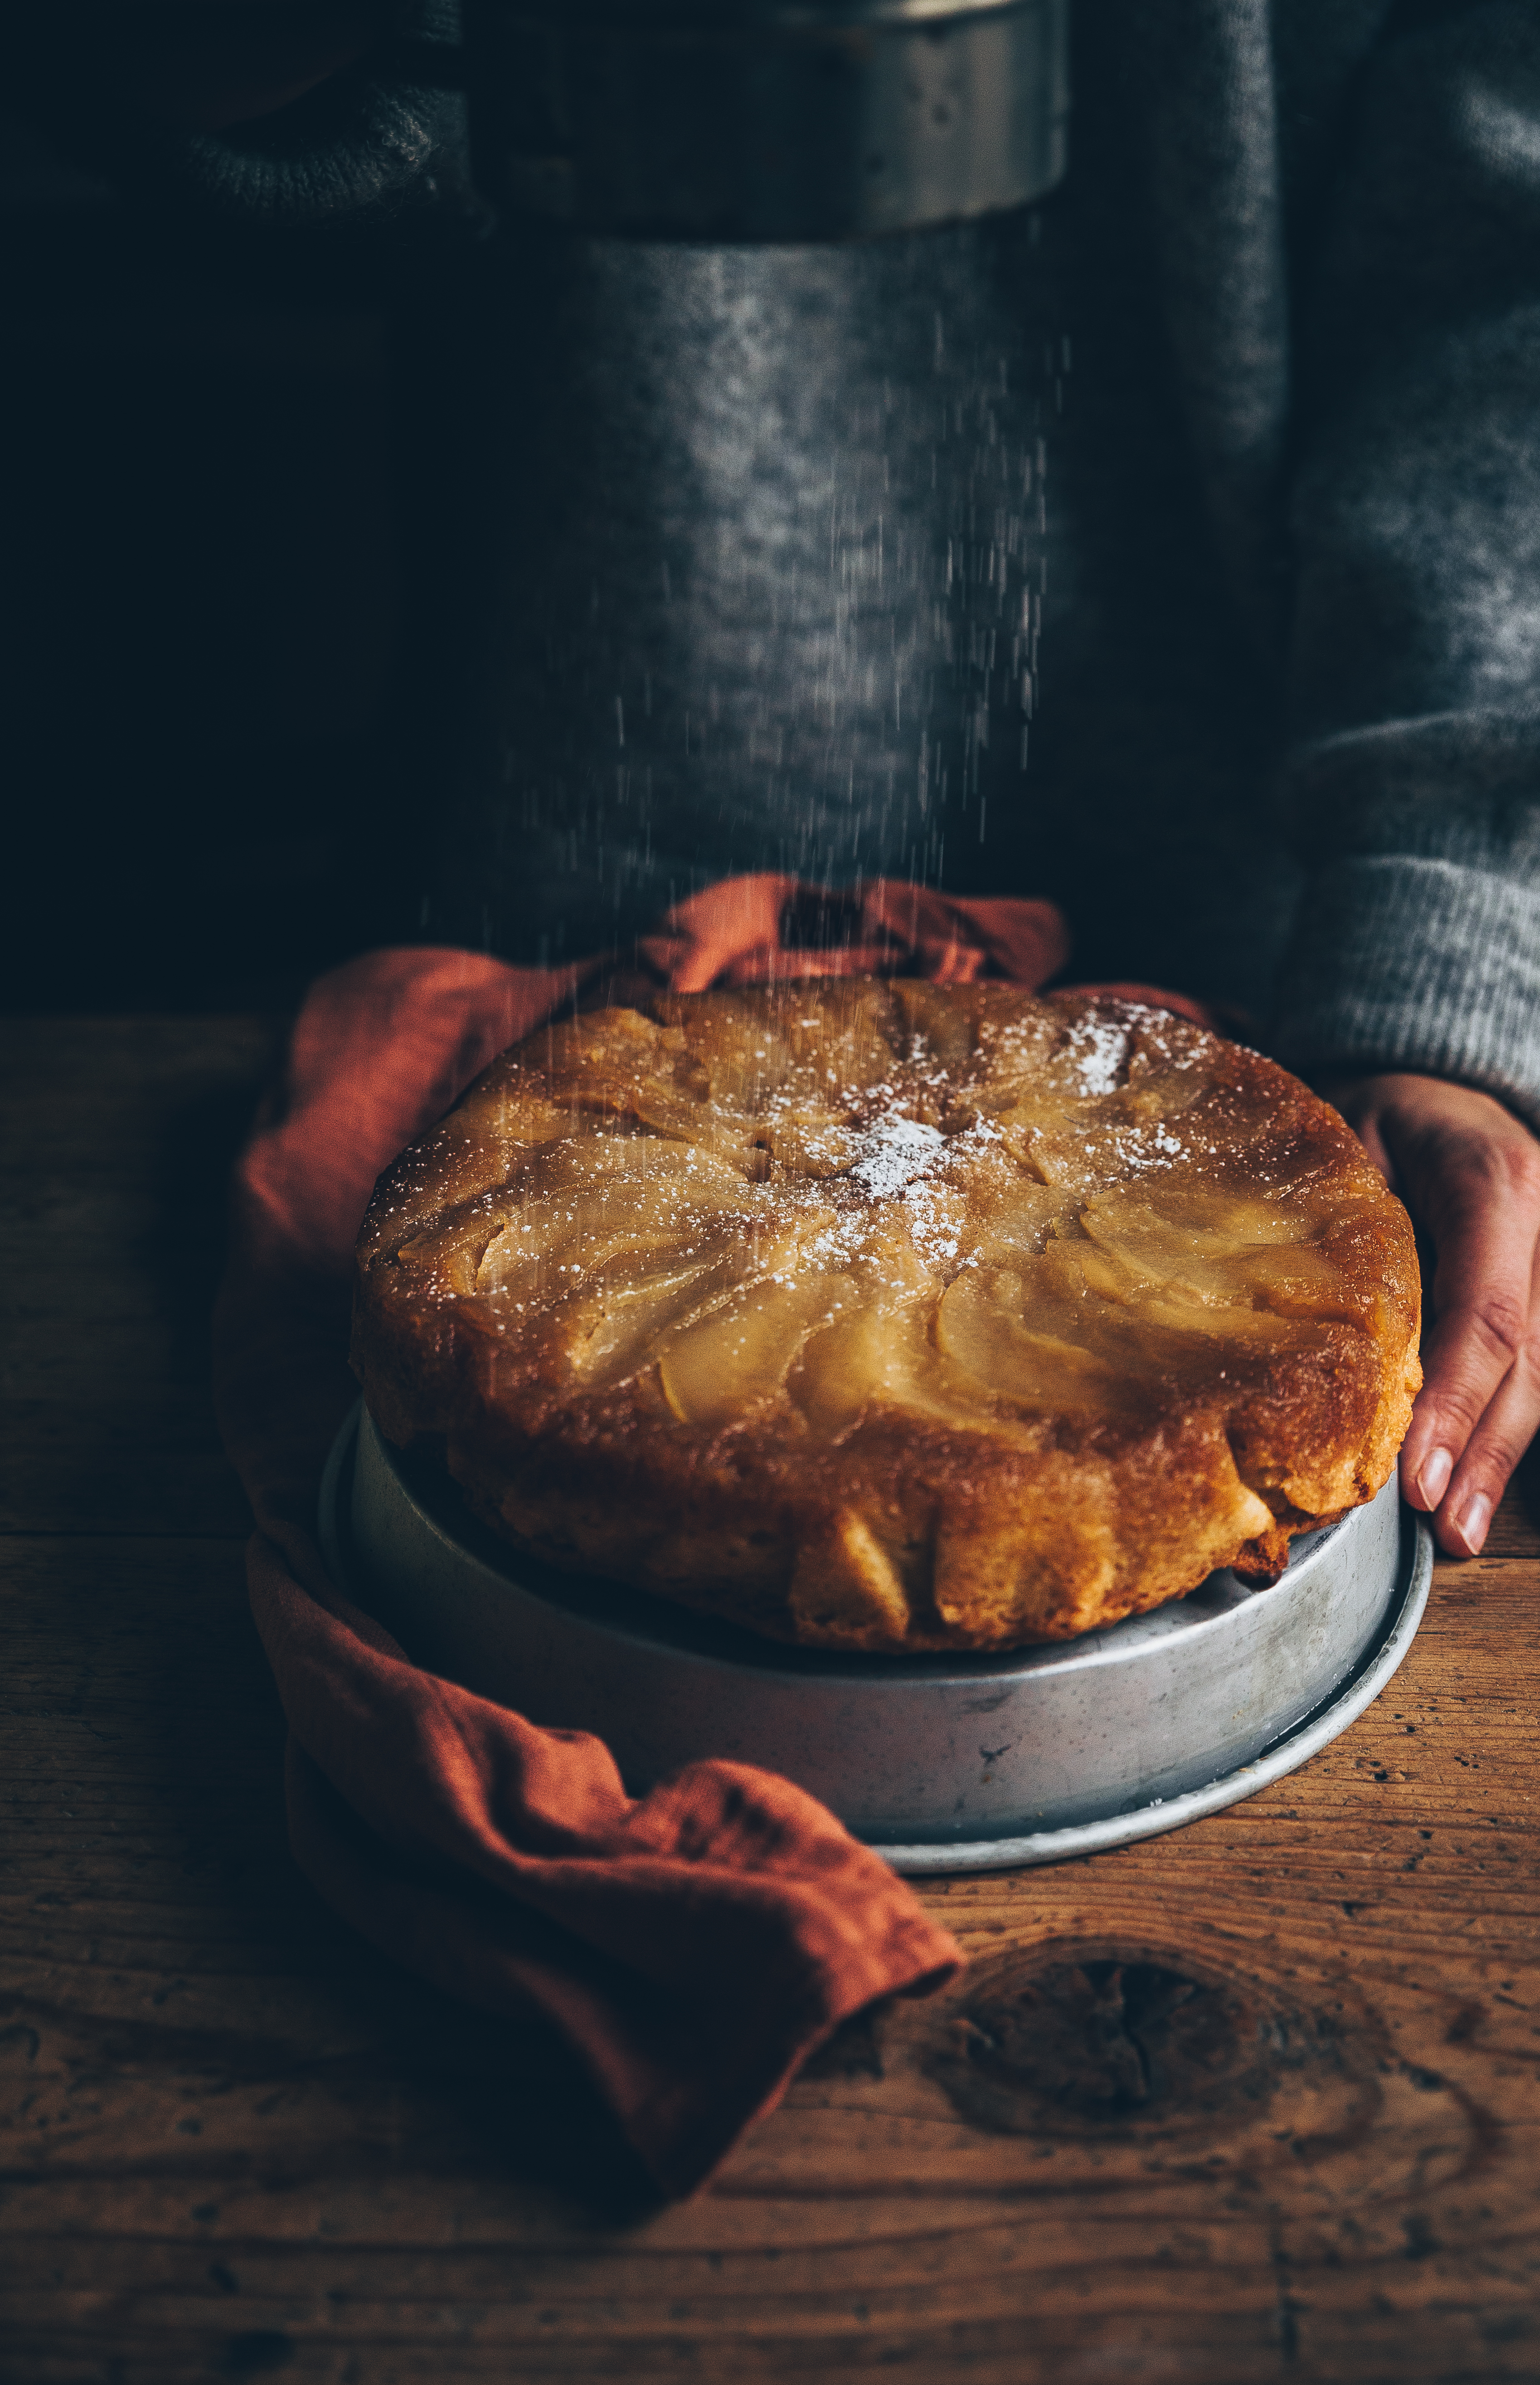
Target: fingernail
[
  {"x": 1434, "y": 1480},
  {"x": 1473, "y": 1521}
]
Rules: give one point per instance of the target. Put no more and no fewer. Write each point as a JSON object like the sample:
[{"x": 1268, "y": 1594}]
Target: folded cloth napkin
[{"x": 695, "y": 1945}]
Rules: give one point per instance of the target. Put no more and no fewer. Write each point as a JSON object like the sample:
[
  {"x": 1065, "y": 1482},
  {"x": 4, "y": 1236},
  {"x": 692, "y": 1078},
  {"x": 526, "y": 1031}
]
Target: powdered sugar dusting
[
  {"x": 1097, "y": 1049},
  {"x": 893, "y": 1153}
]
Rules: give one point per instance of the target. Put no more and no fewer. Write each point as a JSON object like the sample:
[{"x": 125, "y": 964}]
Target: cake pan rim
[
  {"x": 1294, "y": 1748},
  {"x": 1363, "y": 1678}
]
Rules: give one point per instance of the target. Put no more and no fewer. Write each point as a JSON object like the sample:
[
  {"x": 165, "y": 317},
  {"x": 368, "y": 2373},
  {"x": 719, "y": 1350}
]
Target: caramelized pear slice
[
  {"x": 715, "y": 1370},
  {"x": 814, "y": 1142},
  {"x": 668, "y": 1170},
  {"x": 594, "y": 1063},
  {"x": 863, "y": 1355},
  {"x": 847, "y": 1034},
  {"x": 524, "y": 1263},
  {"x": 519, "y": 1116},
  {"x": 1216, "y": 1261},
  {"x": 1159, "y": 1094},
  {"x": 876, "y": 1345},
  {"x": 1036, "y": 1137},
  {"x": 940, "y": 1025},
  {"x": 1153, "y": 1328},
  {"x": 616, "y": 1325},
  {"x": 1014, "y": 1053},
  {"x": 990, "y": 1327},
  {"x": 636, "y": 1073},
  {"x": 1192, "y": 1204},
  {"x": 583, "y": 1206},
  {"x": 446, "y": 1259},
  {"x": 1013, "y": 1228},
  {"x": 728, "y": 1135},
  {"x": 736, "y": 1040},
  {"x": 881, "y": 1357}
]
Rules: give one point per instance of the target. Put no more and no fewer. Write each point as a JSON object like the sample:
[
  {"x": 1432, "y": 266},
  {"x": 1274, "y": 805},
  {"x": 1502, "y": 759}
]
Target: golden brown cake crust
[{"x": 880, "y": 1315}]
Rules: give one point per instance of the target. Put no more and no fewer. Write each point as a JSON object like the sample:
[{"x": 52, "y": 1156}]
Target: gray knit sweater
[
  {"x": 1279, "y": 339},
  {"x": 1344, "y": 199}
]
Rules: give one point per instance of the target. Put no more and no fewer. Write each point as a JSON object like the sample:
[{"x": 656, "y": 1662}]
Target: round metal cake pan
[{"x": 942, "y": 1762}]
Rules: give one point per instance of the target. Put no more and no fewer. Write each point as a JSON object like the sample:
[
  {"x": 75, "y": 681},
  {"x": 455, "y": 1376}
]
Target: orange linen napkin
[{"x": 694, "y": 1945}]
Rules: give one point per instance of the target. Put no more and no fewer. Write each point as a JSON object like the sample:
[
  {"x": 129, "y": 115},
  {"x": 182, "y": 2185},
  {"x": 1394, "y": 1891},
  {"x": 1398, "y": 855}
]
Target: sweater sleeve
[
  {"x": 1413, "y": 775},
  {"x": 376, "y": 142}
]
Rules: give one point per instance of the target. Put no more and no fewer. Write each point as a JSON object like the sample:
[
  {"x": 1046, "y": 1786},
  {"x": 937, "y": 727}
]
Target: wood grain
[
  {"x": 119, "y": 1133},
  {"x": 1257, "y": 2100}
]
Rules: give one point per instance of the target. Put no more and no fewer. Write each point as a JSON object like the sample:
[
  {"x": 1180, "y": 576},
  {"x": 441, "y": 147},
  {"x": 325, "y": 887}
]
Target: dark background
[{"x": 200, "y": 656}]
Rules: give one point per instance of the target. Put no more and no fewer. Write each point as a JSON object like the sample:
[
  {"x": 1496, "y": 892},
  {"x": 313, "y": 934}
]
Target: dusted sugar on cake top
[{"x": 879, "y": 1314}]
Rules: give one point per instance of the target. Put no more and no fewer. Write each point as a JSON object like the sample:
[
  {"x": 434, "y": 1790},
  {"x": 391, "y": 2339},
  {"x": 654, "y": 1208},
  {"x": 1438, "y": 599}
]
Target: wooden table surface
[{"x": 1257, "y": 2100}]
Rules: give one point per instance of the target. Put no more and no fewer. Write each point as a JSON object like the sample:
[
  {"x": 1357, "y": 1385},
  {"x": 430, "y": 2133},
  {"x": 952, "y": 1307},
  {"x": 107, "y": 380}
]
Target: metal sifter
[
  {"x": 766, "y": 119},
  {"x": 769, "y": 349}
]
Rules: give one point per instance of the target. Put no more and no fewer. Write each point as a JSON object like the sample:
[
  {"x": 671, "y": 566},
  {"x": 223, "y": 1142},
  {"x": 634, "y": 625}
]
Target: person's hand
[{"x": 1469, "y": 1173}]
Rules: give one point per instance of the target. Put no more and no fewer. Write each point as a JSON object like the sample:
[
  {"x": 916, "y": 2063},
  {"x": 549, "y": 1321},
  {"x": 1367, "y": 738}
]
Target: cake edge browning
[{"x": 911, "y": 1534}]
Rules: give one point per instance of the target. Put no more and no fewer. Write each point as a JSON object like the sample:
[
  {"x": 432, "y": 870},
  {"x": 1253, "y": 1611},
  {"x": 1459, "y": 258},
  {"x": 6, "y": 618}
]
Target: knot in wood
[{"x": 1109, "y": 2039}]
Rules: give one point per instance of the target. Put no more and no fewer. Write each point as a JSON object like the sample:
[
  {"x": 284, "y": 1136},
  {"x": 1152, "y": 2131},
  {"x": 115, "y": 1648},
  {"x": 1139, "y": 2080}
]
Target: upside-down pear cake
[{"x": 887, "y": 1316}]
